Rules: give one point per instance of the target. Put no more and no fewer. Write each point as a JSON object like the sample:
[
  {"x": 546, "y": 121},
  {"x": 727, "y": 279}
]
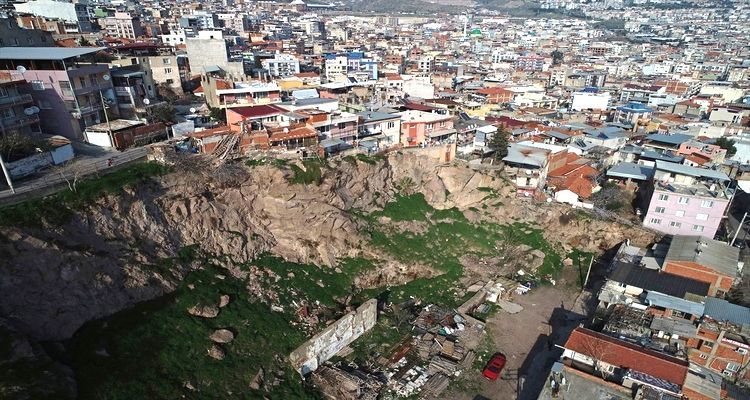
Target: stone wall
[{"x": 327, "y": 343}]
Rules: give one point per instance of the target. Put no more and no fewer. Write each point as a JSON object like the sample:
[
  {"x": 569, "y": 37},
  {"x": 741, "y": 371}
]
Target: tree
[
  {"x": 15, "y": 146},
  {"x": 727, "y": 144},
  {"x": 557, "y": 57},
  {"x": 166, "y": 93},
  {"x": 218, "y": 114},
  {"x": 164, "y": 113},
  {"x": 499, "y": 143}
]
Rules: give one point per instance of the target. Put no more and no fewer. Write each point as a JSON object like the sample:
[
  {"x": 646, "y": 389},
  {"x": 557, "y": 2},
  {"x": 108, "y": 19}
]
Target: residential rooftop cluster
[{"x": 638, "y": 109}]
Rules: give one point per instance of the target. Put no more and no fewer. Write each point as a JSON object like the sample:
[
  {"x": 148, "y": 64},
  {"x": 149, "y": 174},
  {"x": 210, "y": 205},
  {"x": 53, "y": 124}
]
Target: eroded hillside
[{"x": 139, "y": 244}]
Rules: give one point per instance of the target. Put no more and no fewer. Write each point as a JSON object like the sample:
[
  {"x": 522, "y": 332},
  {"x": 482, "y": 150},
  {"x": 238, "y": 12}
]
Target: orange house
[{"x": 704, "y": 260}]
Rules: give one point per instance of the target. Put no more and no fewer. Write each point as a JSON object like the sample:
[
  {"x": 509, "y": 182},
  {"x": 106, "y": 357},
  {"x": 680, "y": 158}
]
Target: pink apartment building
[
  {"x": 422, "y": 128},
  {"x": 686, "y": 200}
]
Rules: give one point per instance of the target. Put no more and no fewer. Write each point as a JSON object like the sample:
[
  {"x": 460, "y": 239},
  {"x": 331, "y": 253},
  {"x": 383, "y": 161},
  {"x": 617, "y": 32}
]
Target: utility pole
[
  {"x": 106, "y": 117},
  {"x": 7, "y": 175},
  {"x": 738, "y": 229}
]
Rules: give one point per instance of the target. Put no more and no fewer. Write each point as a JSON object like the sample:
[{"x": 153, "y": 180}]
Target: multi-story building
[
  {"x": 76, "y": 16},
  {"x": 223, "y": 93},
  {"x": 684, "y": 200},
  {"x": 122, "y": 25},
  {"x": 350, "y": 65},
  {"x": 12, "y": 35},
  {"x": 705, "y": 260},
  {"x": 17, "y": 112},
  {"x": 71, "y": 90},
  {"x": 281, "y": 65},
  {"x": 383, "y": 128},
  {"x": 590, "y": 101},
  {"x": 160, "y": 64},
  {"x": 420, "y": 127}
]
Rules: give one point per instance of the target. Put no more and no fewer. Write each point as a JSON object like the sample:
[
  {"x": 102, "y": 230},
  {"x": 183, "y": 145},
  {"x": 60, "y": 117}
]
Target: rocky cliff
[{"x": 106, "y": 258}]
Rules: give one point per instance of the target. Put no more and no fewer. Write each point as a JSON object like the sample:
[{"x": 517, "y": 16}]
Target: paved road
[{"x": 90, "y": 161}]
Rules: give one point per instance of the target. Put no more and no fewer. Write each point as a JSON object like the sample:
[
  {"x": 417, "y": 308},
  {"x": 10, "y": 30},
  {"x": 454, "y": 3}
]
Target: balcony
[
  {"x": 92, "y": 88},
  {"x": 19, "y": 121},
  {"x": 15, "y": 100}
]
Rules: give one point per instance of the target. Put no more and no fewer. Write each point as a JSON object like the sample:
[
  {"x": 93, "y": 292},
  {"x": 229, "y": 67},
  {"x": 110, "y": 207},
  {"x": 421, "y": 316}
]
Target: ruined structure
[{"x": 326, "y": 344}]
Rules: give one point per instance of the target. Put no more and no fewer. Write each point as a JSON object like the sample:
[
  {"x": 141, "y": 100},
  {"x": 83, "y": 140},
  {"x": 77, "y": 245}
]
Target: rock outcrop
[{"x": 111, "y": 254}]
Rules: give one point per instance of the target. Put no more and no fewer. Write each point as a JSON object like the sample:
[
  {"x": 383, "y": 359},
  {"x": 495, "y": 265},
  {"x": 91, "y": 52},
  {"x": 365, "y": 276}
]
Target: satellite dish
[
  {"x": 98, "y": 121},
  {"x": 35, "y": 108},
  {"x": 21, "y": 69},
  {"x": 146, "y": 101},
  {"x": 28, "y": 111},
  {"x": 105, "y": 77},
  {"x": 192, "y": 110}
]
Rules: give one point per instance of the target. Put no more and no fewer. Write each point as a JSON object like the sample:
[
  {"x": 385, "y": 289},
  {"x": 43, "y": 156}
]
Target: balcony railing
[
  {"x": 18, "y": 121},
  {"x": 15, "y": 100}
]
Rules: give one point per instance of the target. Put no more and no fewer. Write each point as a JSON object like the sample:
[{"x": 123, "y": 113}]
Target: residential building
[
  {"x": 281, "y": 65},
  {"x": 581, "y": 101},
  {"x": 419, "y": 128},
  {"x": 623, "y": 362},
  {"x": 702, "y": 259},
  {"x": 224, "y": 93},
  {"x": 684, "y": 200},
  {"x": 384, "y": 129},
  {"x": 12, "y": 35},
  {"x": 18, "y": 114},
  {"x": 122, "y": 25},
  {"x": 71, "y": 90},
  {"x": 76, "y": 16}
]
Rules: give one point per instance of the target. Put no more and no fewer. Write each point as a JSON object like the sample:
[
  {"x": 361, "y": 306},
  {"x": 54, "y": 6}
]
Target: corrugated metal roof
[
  {"x": 691, "y": 171},
  {"x": 674, "y": 303},
  {"x": 710, "y": 253},
  {"x": 632, "y": 171},
  {"x": 45, "y": 53},
  {"x": 675, "y": 139},
  {"x": 722, "y": 310},
  {"x": 675, "y": 326}
]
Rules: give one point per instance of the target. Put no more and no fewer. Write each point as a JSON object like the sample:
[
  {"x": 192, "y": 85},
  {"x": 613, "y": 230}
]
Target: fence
[{"x": 54, "y": 181}]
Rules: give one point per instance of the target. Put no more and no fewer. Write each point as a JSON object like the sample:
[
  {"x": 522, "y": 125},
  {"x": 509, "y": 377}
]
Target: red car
[{"x": 494, "y": 367}]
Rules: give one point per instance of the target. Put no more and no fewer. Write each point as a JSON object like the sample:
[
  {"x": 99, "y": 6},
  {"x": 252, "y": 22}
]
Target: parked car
[{"x": 494, "y": 367}]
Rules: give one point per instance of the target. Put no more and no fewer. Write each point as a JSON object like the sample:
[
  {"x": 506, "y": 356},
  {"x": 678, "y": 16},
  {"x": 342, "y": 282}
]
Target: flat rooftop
[
  {"x": 45, "y": 53},
  {"x": 696, "y": 189},
  {"x": 581, "y": 386}
]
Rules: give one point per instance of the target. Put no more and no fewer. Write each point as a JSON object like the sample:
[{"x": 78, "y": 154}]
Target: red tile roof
[{"x": 627, "y": 355}]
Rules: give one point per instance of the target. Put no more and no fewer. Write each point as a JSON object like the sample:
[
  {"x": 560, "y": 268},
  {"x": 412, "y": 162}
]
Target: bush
[{"x": 311, "y": 174}]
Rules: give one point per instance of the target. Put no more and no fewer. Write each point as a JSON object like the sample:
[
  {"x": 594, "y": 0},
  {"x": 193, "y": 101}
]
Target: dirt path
[{"x": 527, "y": 339}]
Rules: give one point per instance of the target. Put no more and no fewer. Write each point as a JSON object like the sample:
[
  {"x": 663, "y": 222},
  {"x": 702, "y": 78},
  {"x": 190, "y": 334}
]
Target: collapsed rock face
[{"x": 108, "y": 256}]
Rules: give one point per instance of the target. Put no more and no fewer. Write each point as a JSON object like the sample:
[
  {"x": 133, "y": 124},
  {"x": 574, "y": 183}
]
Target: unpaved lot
[{"x": 527, "y": 339}]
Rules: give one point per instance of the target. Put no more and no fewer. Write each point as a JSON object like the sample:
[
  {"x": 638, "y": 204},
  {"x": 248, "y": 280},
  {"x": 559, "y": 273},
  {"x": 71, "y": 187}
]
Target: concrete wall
[
  {"x": 32, "y": 164},
  {"x": 327, "y": 343}
]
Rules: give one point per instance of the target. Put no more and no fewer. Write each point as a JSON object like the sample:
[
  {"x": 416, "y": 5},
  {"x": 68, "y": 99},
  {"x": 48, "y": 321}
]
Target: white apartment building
[
  {"x": 282, "y": 65},
  {"x": 590, "y": 101}
]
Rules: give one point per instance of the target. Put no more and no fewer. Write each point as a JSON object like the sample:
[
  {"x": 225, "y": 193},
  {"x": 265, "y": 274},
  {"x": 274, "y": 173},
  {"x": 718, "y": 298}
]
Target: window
[
  {"x": 701, "y": 217},
  {"x": 703, "y": 356},
  {"x": 82, "y": 81},
  {"x": 741, "y": 350},
  {"x": 698, "y": 228},
  {"x": 7, "y": 113},
  {"x": 663, "y": 197},
  {"x": 391, "y": 125},
  {"x": 44, "y": 104},
  {"x": 733, "y": 367},
  {"x": 170, "y": 81},
  {"x": 342, "y": 125},
  {"x": 428, "y": 126},
  {"x": 660, "y": 210},
  {"x": 683, "y": 200},
  {"x": 708, "y": 344},
  {"x": 65, "y": 88},
  {"x": 680, "y": 213},
  {"x": 675, "y": 224},
  {"x": 37, "y": 85},
  {"x": 167, "y": 70},
  {"x": 166, "y": 61},
  {"x": 656, "y": 221},
  {"x": 3, "y": 92},
  {"x": 707, "y": 203}
]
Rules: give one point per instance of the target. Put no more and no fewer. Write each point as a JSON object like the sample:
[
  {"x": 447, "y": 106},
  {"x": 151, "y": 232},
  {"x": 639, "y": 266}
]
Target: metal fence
[{"x": 53, "y": 180}]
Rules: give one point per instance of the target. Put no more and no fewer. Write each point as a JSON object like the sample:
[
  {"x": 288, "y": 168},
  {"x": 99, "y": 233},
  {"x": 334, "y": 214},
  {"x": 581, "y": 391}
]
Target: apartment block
[{"x": 71, "y": 90}]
